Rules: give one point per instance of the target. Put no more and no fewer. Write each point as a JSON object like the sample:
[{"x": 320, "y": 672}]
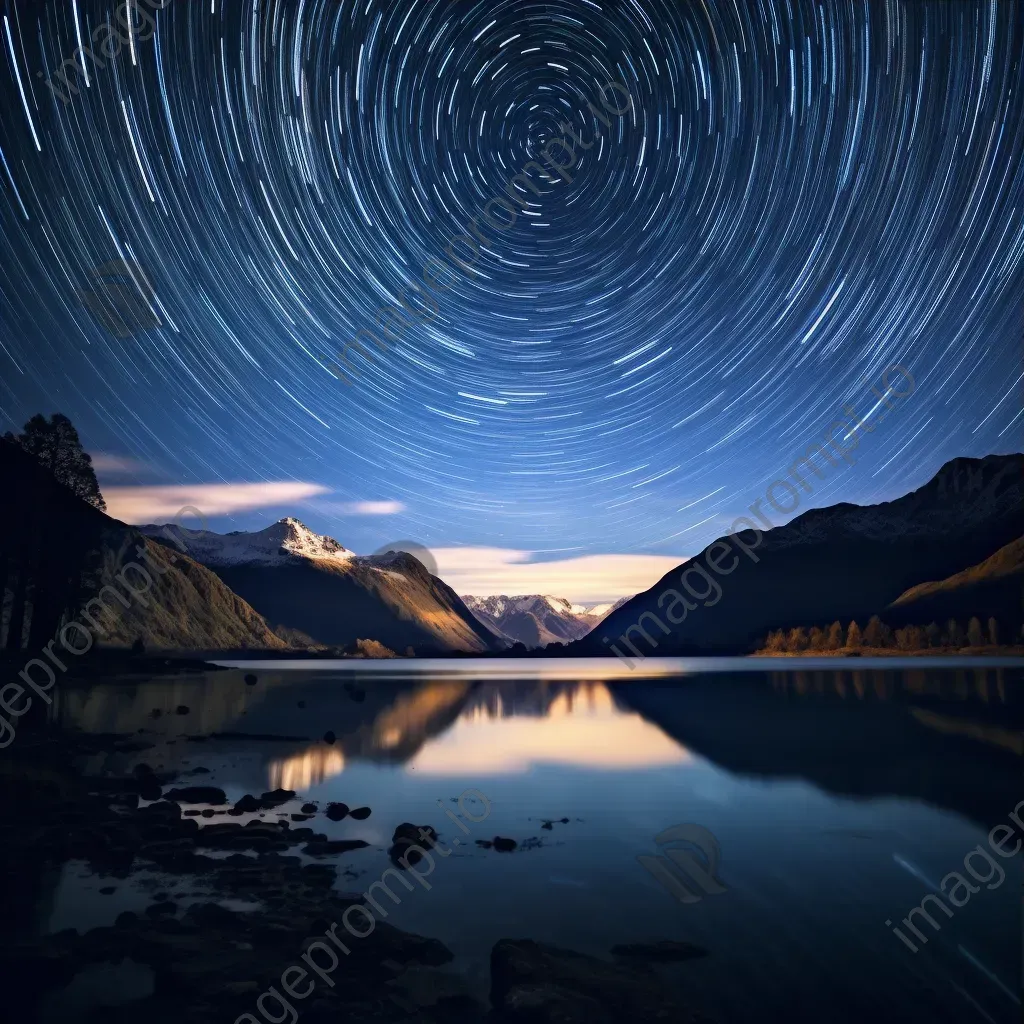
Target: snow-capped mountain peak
[
  {"x": 537, "y": 619},
  {"x": 278, "y": 544}
]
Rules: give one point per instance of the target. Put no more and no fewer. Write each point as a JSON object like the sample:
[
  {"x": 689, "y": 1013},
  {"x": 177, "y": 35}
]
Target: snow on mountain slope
[
  {"x": 276, "y": 545},
  {"x": 537, "y": 619},
  {"x": 304, "y": 581}
]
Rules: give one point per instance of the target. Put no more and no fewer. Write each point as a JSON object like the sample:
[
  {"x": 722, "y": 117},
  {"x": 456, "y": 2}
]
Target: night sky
[{"x": 801, "y": 195}]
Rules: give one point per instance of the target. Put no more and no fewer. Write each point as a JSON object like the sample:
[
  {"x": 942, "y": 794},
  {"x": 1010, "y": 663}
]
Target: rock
[
  {"x": 181, "y": 709},
  {"x": 247, "y": 804},
  {"x": 503, "y": 845},
  {"x": 662, "y": 951},
  {"x": 309, "y": 808},
  {"x": 540, "y": 984},
  {"x": 276, "y": 797},
  {"x": 149, "y": 788},
  {"x": 197, "y": 795},
  {"x": 142, "y": 771},
  {"x": 329, "y": 737},
  {"x": 161, "y": 909},
  {"x": 250, "y": 680},
  {"x": 108, "y": 890},
  {"x": 332, "y": 846},
  {"x": 301, "y": 817},
  {"x": 336, "y": 811},
  {"x": 410, "y": 833},
  {"x": 360, "y": 813},
  {"x": 300, "y": 704}
]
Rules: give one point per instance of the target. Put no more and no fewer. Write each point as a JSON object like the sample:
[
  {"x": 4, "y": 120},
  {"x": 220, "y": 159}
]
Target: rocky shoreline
[{"x": 209, "y": 962}]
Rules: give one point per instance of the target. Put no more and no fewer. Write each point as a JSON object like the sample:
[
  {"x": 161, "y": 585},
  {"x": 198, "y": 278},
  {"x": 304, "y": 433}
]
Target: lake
[{"x": 817, "y": 803}]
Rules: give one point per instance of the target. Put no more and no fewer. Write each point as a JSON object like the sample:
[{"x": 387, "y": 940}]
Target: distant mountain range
[
  {"x": 950, "y": 547},
  {"x": 538, "y": 620},
  {"x": 313, "y": 590}
]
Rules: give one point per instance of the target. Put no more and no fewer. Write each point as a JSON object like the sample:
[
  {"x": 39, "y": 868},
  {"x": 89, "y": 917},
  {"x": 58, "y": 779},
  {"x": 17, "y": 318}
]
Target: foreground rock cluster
[{"x": 208, "y": 961}]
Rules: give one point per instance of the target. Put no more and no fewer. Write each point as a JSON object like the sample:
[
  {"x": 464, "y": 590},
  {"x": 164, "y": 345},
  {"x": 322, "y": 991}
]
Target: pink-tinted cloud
[
  {"x": 161, "y": 504},
  {"x": 585, "y": 579}
]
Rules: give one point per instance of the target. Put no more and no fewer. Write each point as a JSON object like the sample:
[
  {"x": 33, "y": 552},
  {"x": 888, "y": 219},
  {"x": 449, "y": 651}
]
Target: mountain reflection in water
[{"x": 830, "y": 791}]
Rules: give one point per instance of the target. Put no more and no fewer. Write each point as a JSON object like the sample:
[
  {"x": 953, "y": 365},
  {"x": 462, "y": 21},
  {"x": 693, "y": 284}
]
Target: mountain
[
  {"x": 308, "y": 584},
  {"x": 842, "y": 562},
  {"x": 61, "y": 557},
  {"x": 992, "y": 588},
  {"x": 537, "y": 620}
]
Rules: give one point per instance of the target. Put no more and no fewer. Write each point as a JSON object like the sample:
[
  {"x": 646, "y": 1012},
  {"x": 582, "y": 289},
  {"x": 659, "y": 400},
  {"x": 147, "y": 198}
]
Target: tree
[
  {"x": 993, "y": 632},
  {"x": 797, "y": 639},
  {"x": 877, "y": 633},
  {"x": 911, "y": 638},
  {"x": 853, "y": 638},
  {"x": 974, "y": 635},
  {"x": 933, "y": 634},
  {"x": 56, "y": 446},
  {"x": 775, "y": 641},
  {"x": 818, "y": 639},
  {"x": 835, "y": 636},
  {"x": 954, "y": 633}
]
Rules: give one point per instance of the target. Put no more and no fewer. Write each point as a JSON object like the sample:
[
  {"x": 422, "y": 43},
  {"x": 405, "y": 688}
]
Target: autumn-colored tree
[
  {"x": 853, "y": 637},
  {"x": 775, "y": 641},
  {"x": 818, "y": 640},
  {"x": 876, "y": 633},
  {"x": 797, "y": 640},
  {"x": 835, "y": 636},
  {"x": 975, "y": 638}
]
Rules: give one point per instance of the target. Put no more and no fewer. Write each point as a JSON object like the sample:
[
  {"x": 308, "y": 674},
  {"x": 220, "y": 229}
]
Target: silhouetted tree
[
  {"x": 57, "y": 447},
  {"x": 933, "y": 634}
]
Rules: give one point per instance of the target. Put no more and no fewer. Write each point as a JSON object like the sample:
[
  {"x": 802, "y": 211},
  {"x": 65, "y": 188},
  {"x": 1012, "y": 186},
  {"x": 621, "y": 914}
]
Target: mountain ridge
[{"x": 841, "y": 562}]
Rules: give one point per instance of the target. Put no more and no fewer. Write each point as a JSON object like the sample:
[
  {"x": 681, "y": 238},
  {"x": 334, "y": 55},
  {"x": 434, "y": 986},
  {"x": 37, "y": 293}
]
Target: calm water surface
[{"x": 837, "y": 799}]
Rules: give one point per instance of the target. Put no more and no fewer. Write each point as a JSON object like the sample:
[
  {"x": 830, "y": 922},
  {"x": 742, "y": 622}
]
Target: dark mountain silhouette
[
  {"x": 843, "y": 562},
  {"x": 307, "y": 582}
]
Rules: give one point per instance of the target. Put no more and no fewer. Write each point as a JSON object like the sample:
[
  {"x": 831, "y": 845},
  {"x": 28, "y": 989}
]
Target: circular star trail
[{"x": 798, "y": 195}]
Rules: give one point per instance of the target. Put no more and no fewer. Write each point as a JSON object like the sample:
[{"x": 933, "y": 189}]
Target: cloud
[
  {"x": 362, "y": 508},
  {"x": 103, "y": 462},
  {"x": 586, "y": 579},
  {"x": 162, "y": 504}
]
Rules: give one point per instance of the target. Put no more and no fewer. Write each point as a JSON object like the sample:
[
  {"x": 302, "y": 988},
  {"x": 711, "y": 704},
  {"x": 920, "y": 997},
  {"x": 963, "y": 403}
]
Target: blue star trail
[{"x": 802, "y": 195}]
